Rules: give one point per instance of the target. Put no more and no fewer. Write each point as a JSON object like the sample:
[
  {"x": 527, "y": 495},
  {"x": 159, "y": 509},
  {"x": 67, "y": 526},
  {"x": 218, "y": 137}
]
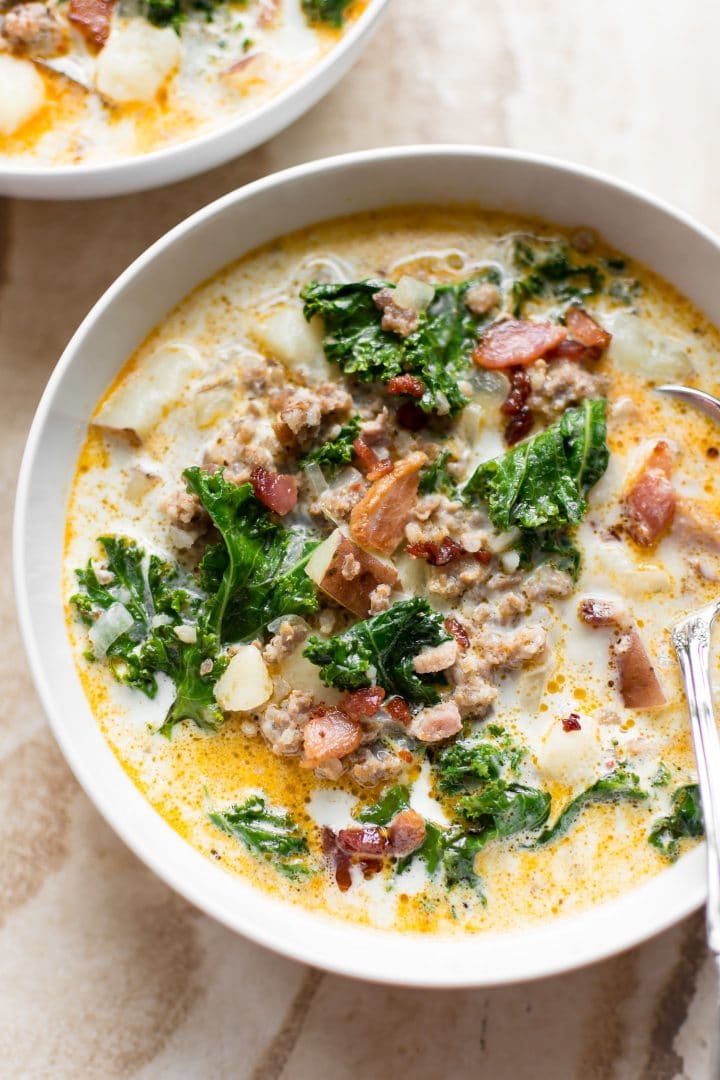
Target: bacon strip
[
  {"x": 369, "y": 841},
  {"x": 92, "y": 18},
  {"x": 406, "y": 832},
  {"x": 378, "y": 521},
  {"x": 649, "y": 504},
  {"x": 406, "y": 384},
  {"x": 362, "y": 704},
  {"x": 517, "y": 342},
  {"x": 586, "y": 330},
  {"x": 328, "y": 734},
  {"x": 339, "y": 859},
  {"x": 638, "y": 684},
  {"x": 277, "y": 491}
]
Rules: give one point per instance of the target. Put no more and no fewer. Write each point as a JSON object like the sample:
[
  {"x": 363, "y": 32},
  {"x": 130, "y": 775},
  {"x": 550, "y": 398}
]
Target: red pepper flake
[
  {"x": 436, "y": 554},
  {"x": 399, "y": 710},
  {"x": 405, "y": 755},
  {"x": 571, "y": 722},
  {"x": 411, "y": 417},
  {"x": 406, "y": 384},
  {"x": 339, "y": 859},
  {"x": 458, "y": 631},
  {"x": 361, "y": 704},
  {"x": 275, "y": 490}
]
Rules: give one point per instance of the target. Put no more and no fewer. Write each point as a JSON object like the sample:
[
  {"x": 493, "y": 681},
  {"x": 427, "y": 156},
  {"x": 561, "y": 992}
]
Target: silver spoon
[{"x": 691, "y": 638}]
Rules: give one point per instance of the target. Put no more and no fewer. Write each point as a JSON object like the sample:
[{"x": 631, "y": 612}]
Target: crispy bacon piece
[
  {"x": 378, "y": 521},
  {"x": 399, "y": 710},
  {"x": 406, "y": 384},
  {"x": 411, "y": 416},
  {"x": 374, "y": 466},
  {"x": 595, "y": 612},
  {"x": 575, "y": 352},
  {"x": 649, "y": 503},
  {"x": 329, "y": 733},
  {"x": 436, "y": 554},
  {"x": 406, "y": 832},
  {"x": 638, "y": 684},
  {"x": 92, "y": 18},
  {"x": 514, "y": 342},
  {"x": 277, "y": 491},
  {"x": 583, "y": 328},
  {"x": 338, "y": 858},
  {"x": 370, "y": 841},
  {"x": 362, "y": 704},
  {"x": 269, "y": 12},
  {"x": 571, "y": 722},
  {"x": 458, "y": 631},
  {"x": 521, "y": 419}
]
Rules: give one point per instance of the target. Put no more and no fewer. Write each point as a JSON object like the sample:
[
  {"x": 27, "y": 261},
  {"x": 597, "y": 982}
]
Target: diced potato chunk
[
  {"x": 245, "y": 684},
  {"x": 137, "y": 60},
  {"x": 347, "y": 573},
  {"x": 571, "y": 757},
  {"x": 140, "y": 400},
  {"x": 22, "y": 93},
  {"x": 284, "y": 334}
]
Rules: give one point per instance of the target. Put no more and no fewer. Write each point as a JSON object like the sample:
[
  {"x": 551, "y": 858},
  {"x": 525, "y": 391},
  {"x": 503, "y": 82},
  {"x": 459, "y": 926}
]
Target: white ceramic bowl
[
  {"x": 683, "y": 252},
  {"x": 204, "y": 152}
]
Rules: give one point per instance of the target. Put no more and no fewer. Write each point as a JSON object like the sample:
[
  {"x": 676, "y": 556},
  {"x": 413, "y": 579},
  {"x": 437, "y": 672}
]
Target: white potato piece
[
  {"x": 245, "y": 684},
  {"x": 136, "y": 62},
  {"x": 140, "y": 400},
  {"x": 634, "y": 349},
  {"x": 571, "y": 757},
  {"x": 22, "y": 93},
  {"x": 285, "y": 334},
  {"x": 327, "y": 568}
]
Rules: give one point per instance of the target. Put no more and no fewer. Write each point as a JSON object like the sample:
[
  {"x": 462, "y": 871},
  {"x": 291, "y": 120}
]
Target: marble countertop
[{"x": 105, "y": 972}]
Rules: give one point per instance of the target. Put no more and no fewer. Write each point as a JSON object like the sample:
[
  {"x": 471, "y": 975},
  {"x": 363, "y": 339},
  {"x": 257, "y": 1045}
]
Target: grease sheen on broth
[{"x": 606, "y": 851}]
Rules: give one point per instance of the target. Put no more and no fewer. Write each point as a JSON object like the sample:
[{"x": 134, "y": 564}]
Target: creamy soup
[
  {"x": 91, "y": 81},
  {"x": 372, "y": 554}
]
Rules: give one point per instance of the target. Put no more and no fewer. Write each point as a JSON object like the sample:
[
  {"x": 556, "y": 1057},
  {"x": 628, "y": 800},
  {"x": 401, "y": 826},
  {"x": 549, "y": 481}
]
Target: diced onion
[
  {"x": 315, "y": 478},
  {"x": 212, "y": 404},
  {"x": 186, "y": 633},
  {"x": 111, "y": 624},
  {"x": 510, "y": 560}
]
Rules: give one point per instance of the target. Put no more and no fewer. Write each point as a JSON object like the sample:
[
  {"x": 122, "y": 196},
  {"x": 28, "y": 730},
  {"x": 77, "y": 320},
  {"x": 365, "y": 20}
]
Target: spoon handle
[{"x": 691, "y": 639}]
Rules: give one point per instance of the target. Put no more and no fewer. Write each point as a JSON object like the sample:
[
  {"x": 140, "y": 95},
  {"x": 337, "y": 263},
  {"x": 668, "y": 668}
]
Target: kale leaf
[
  {"x": 152, "y": 594},
  {"x": 436, "y": 477},
  {"x": 618, "y": 784},
  {"x": 380, "y": 651},
  {"x": 685, "y": 821},
  {"x": 542, "y": 483},
  {"x": 462, "y": 766},
  {"x": 498, "y": 809},
  {"x": 336, "y": 452},
  {"x": 437, "y": 352},
  {"x": 384, "y": 810},
  {"x": 266, "y": 832},
  {"x": 258, "y": 573},
  {"x": 553, "y": 275},
  {"x": 329, "y": 11},
  {"x": 175, "y": 12}
]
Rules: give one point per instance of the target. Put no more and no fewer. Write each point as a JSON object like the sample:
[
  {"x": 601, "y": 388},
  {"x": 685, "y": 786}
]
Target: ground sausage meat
[{"x": 283, "y": 724}]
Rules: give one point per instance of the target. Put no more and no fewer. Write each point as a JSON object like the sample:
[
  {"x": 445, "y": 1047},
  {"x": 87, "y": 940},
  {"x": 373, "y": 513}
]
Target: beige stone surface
[{"x": 103, "y": 971}]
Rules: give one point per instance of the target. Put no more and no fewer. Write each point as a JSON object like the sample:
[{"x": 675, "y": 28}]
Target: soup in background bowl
[{"x": 371, "y": 550}]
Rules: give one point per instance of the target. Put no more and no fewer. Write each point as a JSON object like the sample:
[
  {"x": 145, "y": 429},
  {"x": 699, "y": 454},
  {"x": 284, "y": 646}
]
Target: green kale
[
  {"x": 328, "y": 11},
  {"x": 153, "y": 596},
  {"x": 499, "y": 810},
  {"x": 175, "y": 12},
  {"x": 662, "y": 776},
  {"x": 266, "y": 832},
  {"x": 618, "y": 784},
  {"x": 553, "y": 275},
  {"x": 542, "y": 483},
  {"x": 437, "y": 352},
  {"x": 685, "y": 821},
  {"x": 462, "y": 766},
  {"x": 459, "y": 850},
  {"x": 336, "y": 452},
  {"x": 549, "y": 545},
  {"x": 436, "y": 477},
  {"x": 385, "y": 809},
  {"x": 258, "y": 573},
  {"x": 380, "y": 651}
]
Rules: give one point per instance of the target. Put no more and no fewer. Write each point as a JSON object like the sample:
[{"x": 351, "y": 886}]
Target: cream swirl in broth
[{"x": 394, "y": 527}]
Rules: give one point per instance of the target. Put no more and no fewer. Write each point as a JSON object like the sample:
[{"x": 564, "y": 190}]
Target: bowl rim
[
  {"x": 595, "y": 934},
  {"x": 268, "y": 119}
]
